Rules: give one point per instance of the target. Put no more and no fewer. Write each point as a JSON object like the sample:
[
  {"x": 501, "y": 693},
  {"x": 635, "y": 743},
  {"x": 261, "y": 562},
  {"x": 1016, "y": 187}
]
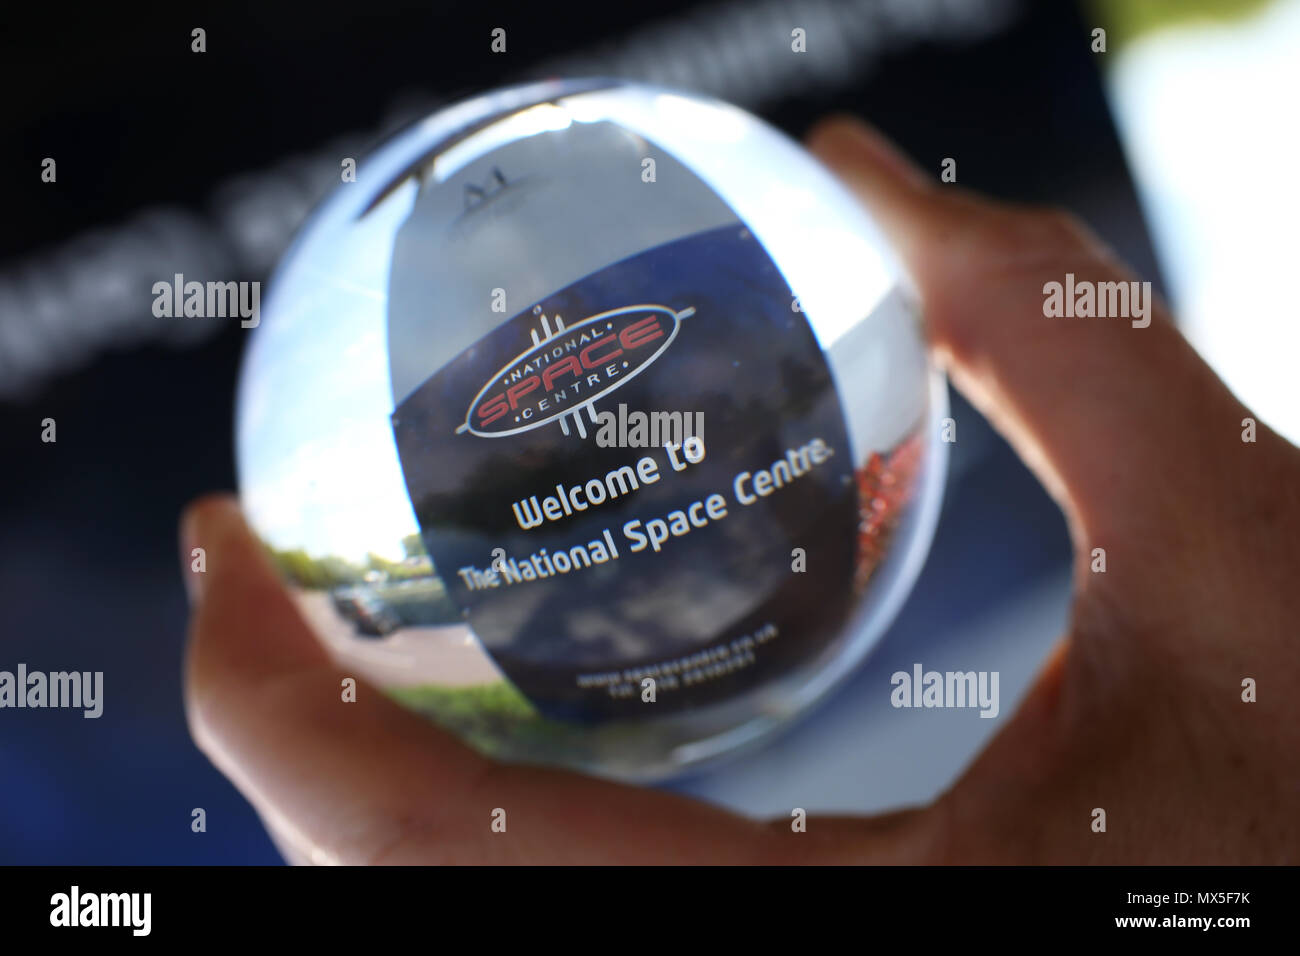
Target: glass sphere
[{"x": 593, "y": 421}]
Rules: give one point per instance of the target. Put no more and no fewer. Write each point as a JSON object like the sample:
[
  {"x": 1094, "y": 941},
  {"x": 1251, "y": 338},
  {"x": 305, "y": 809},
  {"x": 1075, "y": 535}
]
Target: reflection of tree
[
  {"x": 413, "y": 546},
  {"x": 300, "y": 567},
  {"x": 399, "y": 571},
  {"x": 331, "y": 571}
]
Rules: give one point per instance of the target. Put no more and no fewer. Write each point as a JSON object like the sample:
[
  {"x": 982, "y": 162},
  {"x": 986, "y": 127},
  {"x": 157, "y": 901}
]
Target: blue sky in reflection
[{"x": 315, "y": 398}]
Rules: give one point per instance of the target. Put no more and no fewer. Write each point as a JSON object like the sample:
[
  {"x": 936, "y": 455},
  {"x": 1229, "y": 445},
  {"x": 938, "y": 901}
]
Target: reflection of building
[{"x": 885, "y": 485}]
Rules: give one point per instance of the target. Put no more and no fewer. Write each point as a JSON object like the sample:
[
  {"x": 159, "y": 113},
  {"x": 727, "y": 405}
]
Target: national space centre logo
[{"x": 569, "y": 367}]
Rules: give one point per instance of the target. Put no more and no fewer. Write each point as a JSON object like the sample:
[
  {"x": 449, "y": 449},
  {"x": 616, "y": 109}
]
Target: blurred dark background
[{"x": 90, "y": 577}]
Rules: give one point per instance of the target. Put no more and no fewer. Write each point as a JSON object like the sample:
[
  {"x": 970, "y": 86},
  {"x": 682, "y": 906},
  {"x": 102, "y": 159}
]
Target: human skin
[{"x": 1138, "y": 711}]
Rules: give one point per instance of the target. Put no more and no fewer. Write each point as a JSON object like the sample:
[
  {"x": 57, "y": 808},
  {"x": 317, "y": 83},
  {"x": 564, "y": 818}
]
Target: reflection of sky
[
  {"x": 1209, "y": 120},
  {"x": 320, "y": 394}
]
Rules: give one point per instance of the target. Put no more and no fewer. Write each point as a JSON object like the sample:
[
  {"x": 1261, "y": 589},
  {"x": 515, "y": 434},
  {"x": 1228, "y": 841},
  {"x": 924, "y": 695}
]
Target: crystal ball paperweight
[{"x": 593, "y": 421}]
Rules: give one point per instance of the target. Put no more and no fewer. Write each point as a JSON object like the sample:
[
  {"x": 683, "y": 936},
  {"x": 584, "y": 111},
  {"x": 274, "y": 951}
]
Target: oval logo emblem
[{"x": 572, "y": 368}]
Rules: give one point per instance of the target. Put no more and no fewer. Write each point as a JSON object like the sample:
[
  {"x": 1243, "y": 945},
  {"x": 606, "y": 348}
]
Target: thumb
[{"x": 1115, "y": 415}]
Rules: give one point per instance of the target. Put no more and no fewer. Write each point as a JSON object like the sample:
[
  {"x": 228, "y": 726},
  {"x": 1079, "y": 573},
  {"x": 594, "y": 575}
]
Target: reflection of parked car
[{"x": 366, "y": 611}]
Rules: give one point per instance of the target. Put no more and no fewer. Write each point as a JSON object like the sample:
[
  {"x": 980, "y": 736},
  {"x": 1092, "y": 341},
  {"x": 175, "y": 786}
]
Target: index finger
[{"x": 1117, "y": 415}]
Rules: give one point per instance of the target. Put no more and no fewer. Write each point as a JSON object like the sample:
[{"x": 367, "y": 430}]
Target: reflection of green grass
[
  {"x": 499, "y": 701},
  {"x": 495, "y": 718}
]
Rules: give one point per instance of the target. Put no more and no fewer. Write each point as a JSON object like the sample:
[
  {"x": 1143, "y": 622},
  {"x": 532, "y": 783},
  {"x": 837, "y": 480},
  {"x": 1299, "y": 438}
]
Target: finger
[
  {"x": 1124, "y": 425},
  {"x": 371, "y": 782}
]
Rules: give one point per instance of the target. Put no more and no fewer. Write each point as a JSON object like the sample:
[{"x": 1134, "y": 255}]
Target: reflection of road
[{"x": 449, "y": 655}]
